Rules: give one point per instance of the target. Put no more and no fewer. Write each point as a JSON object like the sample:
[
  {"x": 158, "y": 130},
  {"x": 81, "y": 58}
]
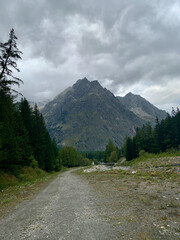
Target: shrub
[
  {"x": 143, "y": 153},
  {"x": 34, "y": 164}
]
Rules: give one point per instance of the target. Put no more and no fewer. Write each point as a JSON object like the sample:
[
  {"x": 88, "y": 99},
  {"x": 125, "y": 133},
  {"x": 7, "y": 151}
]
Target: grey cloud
[{"x": 124, "y": 44}]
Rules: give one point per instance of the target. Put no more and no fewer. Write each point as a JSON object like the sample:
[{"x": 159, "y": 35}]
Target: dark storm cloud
[{"x": 126, "y": 45}]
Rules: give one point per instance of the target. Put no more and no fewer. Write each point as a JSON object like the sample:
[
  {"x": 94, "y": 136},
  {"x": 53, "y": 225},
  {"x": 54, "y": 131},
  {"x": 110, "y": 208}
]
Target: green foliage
[
  {"x": 109, "y": 149},
  {"x": 7, "y": 179},
  {"x": 85, "y": 162},
  {"x": 94, "y": 155},
  {"x": 164, "y": 137},
  {"x": 143, "y": 153},
  {"x": 69, "y": 156},
  {"x": 129, "y": 149},
  {"x": 24, "y": 139},
  {"x": 145, "y": 157},
  {"x": 34, "y": 163},
  {"x": 9, "y": 55},
  {"x": 113, "y": 157}
]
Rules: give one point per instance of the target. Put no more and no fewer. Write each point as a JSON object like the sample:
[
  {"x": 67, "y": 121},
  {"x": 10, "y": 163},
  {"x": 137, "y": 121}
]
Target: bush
[
  {"x": 7, "y": 180},
  {"x": 34, "y": 163},
  {"x": 113, "y": 157},
  {"x": 143, "y": 153}
]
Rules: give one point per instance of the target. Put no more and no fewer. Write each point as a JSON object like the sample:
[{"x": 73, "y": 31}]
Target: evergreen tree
[
  {"x": 27, "y": 117},
  {"x": 129, "y": 149},
  {"x": 69, "y": 156},
  {"x": 164, "y": 136},
  {"x": 109, "y": 149},
  {"x": 22, "y": 131},
  {"x": 9, "y": 55},
  {"x": 14, "y": 150}
]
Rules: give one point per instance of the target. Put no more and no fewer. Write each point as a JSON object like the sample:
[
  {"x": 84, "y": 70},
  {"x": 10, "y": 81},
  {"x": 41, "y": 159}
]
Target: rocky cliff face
[
  {"x": 142, "y": 108},
  {"x": 87, "y": 115}
]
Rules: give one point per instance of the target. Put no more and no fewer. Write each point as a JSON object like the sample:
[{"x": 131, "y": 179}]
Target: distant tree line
[
  {"x": 71, "y": 158},
  {"x": 164, "y": 136}
]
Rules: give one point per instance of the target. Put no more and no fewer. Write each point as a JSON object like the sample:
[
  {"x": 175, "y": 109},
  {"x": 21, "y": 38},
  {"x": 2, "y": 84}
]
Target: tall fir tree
[{"x": 8, "y": 58}]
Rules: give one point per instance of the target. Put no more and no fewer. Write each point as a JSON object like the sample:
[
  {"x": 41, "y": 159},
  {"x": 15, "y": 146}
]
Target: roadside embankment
[{"x": 14, "y": 190}]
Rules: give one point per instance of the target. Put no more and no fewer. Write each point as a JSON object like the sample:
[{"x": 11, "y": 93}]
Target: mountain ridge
[
  {"x": 142, "y": 108},
  {"x": 87, "y": 115}
]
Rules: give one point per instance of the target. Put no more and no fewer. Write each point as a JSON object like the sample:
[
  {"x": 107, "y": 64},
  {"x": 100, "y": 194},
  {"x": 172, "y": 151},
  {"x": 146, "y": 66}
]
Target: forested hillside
[
  {"x": 165, "y": 136},
  {"x": 24, "y": 139}
]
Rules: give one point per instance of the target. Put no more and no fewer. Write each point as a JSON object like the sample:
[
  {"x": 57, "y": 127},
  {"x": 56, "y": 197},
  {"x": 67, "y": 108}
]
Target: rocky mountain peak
[
  {"x": 85, "y": 83},
  {"x": 142, "y": 108},
  {"x": 87, "y": 115},
  {"x": 84, "y": 87}
]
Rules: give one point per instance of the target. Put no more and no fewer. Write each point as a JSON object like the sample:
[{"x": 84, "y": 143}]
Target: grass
[
  {"x": 26, "y": 175},
  {"x": 14, "y": 190},
  {"x": 146, "y": 157},
  {"x": 146, "y": 193},
  {"x": 148, "y": 167}
]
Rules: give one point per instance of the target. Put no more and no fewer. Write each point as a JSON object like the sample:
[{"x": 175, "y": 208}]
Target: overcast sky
[{"x": 128, "y": 45}]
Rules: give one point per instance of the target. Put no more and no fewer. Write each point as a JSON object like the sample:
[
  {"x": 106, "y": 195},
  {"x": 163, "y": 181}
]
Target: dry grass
[
  {"x": 143, "y": 202},
  {"x": 16, "y": 190}
]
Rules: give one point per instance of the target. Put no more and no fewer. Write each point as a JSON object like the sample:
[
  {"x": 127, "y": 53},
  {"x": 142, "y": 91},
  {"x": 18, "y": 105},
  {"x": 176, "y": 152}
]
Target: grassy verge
[
  {"x": 153, "y": 167},
  {"x": 14, "y": 190},
  {"x": 150, "y": 157}
]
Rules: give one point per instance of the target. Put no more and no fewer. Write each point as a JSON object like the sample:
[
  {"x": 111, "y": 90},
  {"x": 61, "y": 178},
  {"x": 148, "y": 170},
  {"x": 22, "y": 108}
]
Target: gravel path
[{"x": 66, "y": 209}]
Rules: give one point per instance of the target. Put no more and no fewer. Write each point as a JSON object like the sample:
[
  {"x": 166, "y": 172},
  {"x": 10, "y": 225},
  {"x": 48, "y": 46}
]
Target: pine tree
[
  {"x": 9, "y": 55},
  {"x": 69, "y": 156},
  {"x": 109, "y": 149},
  {"x": 27, "y": 116},
  {"x": 129, "y": 149}
]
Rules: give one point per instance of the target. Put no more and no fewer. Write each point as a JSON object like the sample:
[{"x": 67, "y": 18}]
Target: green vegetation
[
  {"x": 164, "y": 137},
  {"x": 146, "y": 157},
  {"x": 14, "y": 189},
  {"x": 109, "y": 149},
  {"x": 26, "y": 175},
  {"x": 112, "y": 153},
  {"x": 69, "y": 157},
  {"x": 94, "y": 156},
  {"x": 24, "y": 139}
]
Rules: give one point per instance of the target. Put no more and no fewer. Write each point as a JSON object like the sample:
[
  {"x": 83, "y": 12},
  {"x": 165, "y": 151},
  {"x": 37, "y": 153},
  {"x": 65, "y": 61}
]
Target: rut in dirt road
[{"x": 66, "y": 209}]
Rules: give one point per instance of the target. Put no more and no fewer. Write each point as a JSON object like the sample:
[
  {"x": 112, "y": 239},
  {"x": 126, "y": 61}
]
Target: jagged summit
[
  {"x": 81, "y": 82},
  {"x": 142, "y": 108},
  {"x": 86, "y": 83},
  {"x": 87, "y": 115}
]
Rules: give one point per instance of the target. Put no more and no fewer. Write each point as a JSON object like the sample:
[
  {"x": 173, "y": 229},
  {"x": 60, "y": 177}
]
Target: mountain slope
[
  {"x": 142, "y": 108},
  {"x": 87, "y": 115}
]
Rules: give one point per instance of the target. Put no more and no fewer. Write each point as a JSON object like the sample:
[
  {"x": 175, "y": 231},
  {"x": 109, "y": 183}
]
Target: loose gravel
[{"x": 66, "y": 209}]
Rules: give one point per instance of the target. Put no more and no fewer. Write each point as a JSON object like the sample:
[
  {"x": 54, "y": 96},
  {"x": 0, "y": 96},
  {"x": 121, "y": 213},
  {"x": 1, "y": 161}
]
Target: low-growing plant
[
  {"x": 34, "y": 163},
  {"x": 6, "y": 180}
]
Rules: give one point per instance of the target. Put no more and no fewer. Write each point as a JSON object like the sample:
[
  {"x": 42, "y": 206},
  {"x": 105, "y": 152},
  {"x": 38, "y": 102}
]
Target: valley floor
[
  {"x": 139, "y": 203},
  {"x": 142, "y": 202}
]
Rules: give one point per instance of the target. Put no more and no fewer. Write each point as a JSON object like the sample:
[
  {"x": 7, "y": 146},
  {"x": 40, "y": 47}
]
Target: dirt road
[{"x": 66, "y": 209}]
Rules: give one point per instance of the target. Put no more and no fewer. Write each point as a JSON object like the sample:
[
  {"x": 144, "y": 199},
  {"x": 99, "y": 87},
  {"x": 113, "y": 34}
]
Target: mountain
[
  {"x": 39, "y": 104},
  {"x": 87, "y": 115},
  {"x": 142, "y": 108}
]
